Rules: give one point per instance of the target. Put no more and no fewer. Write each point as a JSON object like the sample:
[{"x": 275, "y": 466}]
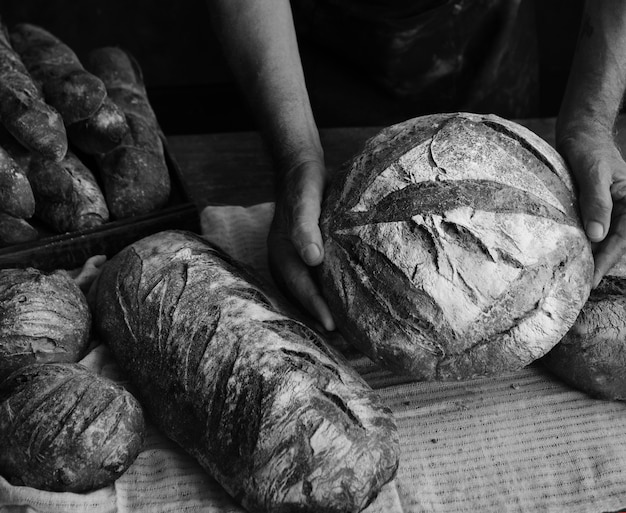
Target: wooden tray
[{"x": 71, "y": 250}]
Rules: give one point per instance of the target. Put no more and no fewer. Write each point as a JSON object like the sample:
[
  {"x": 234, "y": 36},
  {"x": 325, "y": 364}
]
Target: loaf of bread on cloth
[
  {"x": 93, "y": 122},
  {"x": 592, "y": 355},
  {"x": 65, "y": 428},
  {"x": 134, "y": 173},
  {"x": 454, "y": 247},
  {"x": 23, "y": 111},
  {"x": 275, "y": 415}
]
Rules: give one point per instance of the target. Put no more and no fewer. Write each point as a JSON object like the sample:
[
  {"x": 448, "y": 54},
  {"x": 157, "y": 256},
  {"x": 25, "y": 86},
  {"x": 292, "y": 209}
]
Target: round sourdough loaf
[
  {"x": 454, "y": 247},
  {"x": 592, "y": 354}
]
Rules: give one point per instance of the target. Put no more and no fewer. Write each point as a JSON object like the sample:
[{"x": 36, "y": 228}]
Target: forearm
[
  {"x": 260, "y": 44},
  {"x": 598, "y": 77}
]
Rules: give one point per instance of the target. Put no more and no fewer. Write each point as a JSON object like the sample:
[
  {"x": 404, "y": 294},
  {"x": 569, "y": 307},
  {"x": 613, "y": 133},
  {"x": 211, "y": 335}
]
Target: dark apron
[{"x": 434, "y": 55}]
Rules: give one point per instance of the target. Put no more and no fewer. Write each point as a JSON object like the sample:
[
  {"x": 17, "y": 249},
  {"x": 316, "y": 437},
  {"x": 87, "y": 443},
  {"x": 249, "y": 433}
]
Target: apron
[{"x": 434, "y": 55}]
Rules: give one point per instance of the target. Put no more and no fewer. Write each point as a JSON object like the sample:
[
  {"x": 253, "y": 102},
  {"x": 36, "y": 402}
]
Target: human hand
[
  {"x": 295, "y": 241},
  {"x": 600, "y": 173},
  {"x": 85, "y": 276}
]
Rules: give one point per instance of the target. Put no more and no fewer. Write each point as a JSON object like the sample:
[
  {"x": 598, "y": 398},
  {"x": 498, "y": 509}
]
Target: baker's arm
[
  {"x": 259, "y": 41},
  {"x": 585, "y": 128}
]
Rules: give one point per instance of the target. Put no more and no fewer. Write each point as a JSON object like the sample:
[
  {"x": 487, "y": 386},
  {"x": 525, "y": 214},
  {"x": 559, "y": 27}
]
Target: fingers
[
  {"x": 306, "y": 200},
  {"x": 87, "y": 274},
  {"x": 294, "y": 277},
  {"x": 611, "y": 249},
  {"x": 596, "y": 202},
  {"x": 295, "y": 241}
]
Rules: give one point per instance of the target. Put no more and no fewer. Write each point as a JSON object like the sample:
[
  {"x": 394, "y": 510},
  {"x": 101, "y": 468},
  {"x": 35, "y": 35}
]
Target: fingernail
[
  {"x": 311, "y": 253},
  {"x": 595, "y": 230}
]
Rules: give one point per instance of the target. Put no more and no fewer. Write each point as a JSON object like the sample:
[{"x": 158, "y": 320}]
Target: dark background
[{"x": 192, "y": 89}]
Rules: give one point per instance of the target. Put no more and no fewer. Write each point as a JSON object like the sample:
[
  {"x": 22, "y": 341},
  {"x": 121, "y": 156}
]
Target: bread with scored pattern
[
  {"x": 258, "y": 398},
  {"x": 454, "y": 248}
]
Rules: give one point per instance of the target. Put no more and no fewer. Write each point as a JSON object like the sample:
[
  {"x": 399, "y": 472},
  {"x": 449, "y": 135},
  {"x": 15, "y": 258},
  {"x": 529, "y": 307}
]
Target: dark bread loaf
[
  {"x": 93, "y": 122},
  {"x": 15, "y": 230},
  {"x": 16, "y": 194},
  {"x": 75, "y": 93},
  {"x": 68, "y": 198},
  {"x": 592, "y": 355},
  {"x": 454, "y": 247},
  {"x": 63, "y": 428},
  {"x": 135, "y": 174},
  {"x": 263, "y": 404},
  {"x": 44, "y": 317},
  {"x": 23, "y": 111},
  {"x": 102, "y": 131}
]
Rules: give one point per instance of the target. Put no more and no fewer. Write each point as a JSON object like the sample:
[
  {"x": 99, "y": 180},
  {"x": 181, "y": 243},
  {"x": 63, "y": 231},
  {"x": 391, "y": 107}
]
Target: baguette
[
  {"x": 23, "y": 111},
  {"x": 134, "y": 173},
  {"x": 265, "y": 406},
  {"x": 74, "y": 92},
  {"x": 67, "y": 195}
]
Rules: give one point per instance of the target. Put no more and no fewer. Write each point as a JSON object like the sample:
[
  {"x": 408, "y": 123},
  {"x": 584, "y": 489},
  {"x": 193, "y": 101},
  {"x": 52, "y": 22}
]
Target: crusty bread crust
[{"x": 453, "y": 247}]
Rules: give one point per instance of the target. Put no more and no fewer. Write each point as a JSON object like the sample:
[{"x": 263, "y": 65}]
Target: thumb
[
  {"x": 305, "y": 232},
  {"x": 306, "y": 235},
  {"x": 596, "y": 205}
]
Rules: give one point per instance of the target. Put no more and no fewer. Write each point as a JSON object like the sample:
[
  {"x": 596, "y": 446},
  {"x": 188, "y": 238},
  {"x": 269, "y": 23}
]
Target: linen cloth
[{"x": 518, "y": 443}]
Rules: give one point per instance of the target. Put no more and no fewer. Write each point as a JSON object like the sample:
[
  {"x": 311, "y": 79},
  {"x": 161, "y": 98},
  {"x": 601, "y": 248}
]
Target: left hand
[{"x": 600, "y": 174}]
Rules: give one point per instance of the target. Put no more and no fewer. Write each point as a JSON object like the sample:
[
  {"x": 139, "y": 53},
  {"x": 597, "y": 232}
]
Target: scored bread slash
[
  {"x": 274, "y": 414},
  {"x": 67, "y": 195},
  {"x": 134, "y": 173},
  {"x": 23, "y": 111},
  {"x": 454, "y": 248}
]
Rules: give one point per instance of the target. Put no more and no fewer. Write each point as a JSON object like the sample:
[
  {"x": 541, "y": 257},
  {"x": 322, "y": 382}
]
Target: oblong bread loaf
[{"x": 264, "y": 405}]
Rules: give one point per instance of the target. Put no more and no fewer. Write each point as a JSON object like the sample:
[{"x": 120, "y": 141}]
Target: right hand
[{"x": 295, "y": 241}]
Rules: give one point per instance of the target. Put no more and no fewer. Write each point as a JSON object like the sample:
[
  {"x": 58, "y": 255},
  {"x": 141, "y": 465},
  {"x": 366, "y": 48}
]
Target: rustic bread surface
[
  {"x": 75, "y": 93},
  {"x": 592, "y": 355},
  {"x": 64, "y": 428},
  {"x": 265, "y": 406},
  {"x": 15, "y": 230},
  {"x": 68, "y": 198},
  {"x": 135, "y": 174},
  {"x": 101, "y": 132},
  {"x": 454, "y": 248},
  {"x": 44, "y": 317},
  {"x": 23, "y": 111},
  {"x": 16, "y": 193}
]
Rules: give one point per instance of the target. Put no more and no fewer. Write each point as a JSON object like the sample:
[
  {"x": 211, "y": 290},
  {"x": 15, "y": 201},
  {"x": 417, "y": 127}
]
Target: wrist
[{"x": 577, "y": 130}]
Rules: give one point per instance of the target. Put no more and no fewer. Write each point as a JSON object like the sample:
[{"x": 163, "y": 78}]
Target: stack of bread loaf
[{"x": 79, "y": 145}]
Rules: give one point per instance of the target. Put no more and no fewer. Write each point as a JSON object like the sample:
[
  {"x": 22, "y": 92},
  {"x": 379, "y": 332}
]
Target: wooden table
[{"x": 234, "y": 168}]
